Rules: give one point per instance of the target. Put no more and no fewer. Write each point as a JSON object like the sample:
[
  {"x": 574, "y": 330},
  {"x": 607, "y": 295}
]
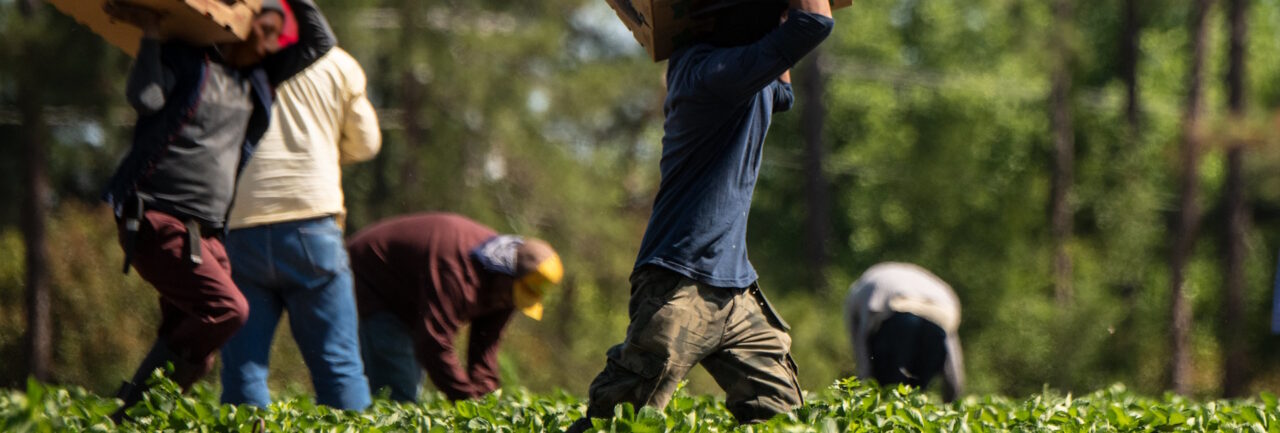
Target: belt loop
[{"x": 192, "y": 246}]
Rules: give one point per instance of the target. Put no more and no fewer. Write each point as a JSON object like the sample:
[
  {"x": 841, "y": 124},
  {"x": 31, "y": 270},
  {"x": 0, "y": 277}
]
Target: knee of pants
[
  {"x": 330, "y": 355},
  {"x": 348, "y": 379},
  {"x": 756, "y": 410},
  {"x": 239, "y": 310},
  {"x": 774, "y": 391},
  {"x": 233, "y": 314},
  {"x": 630, "y": 376}
]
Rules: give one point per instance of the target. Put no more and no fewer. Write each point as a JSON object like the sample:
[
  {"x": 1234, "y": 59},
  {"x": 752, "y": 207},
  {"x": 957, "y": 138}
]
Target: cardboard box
[
  {"x": 202, "y": 22},
  {"x": 662, "y": 25}
]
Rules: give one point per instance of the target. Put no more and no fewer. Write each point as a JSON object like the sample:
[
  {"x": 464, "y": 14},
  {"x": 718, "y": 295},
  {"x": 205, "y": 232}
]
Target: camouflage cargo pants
[{"x": 677, "y": 323}]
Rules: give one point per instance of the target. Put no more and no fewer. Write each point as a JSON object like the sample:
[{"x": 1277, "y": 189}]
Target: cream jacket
[{"x": 321, "y": 119}]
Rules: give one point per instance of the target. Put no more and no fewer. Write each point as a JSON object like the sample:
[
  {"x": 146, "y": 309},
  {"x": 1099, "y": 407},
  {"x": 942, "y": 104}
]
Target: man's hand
[
  {"x": 143, "y": 17},
  {"x": 820, "y": 7}
]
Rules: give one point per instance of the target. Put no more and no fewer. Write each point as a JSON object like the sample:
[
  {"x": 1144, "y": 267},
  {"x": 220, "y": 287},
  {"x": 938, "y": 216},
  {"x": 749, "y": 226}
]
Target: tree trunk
[
  {"x": 1129, "y": 52},
  {"x": 1188, "y": 218},
  {"x": 1130, "y": 281},
  {"x": 817, "y": 190},
  {"x": 1234, "y": 362},
  {"x": 1060, "y": 212},
  {"x": 411, "y": 100},
  {"x": 39, "y": 336},
  {"x": 27, "y": 7}
]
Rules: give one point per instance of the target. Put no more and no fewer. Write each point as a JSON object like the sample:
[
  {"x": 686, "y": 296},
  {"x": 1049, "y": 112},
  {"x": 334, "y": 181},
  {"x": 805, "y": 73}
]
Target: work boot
[
  {"x": 131, "y": 392},
  {"x": 580, "y": 426}
]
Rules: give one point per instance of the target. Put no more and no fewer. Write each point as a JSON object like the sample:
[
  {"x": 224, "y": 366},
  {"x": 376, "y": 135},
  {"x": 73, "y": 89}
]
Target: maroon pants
[{"x": 200, "y": 306}]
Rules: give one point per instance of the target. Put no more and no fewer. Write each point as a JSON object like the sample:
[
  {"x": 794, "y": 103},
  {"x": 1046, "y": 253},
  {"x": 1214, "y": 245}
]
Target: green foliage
[
  {"x": 543, "y": 118},
  {"x": 847, "y": 406},
  {"x": 104, "y": 321}
]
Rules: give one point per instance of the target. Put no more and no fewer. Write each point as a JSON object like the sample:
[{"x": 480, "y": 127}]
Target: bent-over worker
[
  {"x": 903, "y": 321},
  {"x": 419, "y": 278}
]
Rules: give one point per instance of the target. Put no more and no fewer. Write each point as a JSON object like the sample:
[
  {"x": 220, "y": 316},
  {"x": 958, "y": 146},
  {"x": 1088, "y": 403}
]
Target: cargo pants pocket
[{"x": 795, "y": 379}]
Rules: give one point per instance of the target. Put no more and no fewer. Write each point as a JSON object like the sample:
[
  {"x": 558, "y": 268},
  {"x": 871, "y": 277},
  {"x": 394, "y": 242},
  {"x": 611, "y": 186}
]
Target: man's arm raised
[{"x": 739, "y": 72}]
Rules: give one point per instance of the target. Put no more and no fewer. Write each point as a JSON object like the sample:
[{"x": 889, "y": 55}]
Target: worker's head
[
  {"x": 263, "y": 39},
  {"x": 740, "y": 22},
  {"x": 538, "y": 268}
]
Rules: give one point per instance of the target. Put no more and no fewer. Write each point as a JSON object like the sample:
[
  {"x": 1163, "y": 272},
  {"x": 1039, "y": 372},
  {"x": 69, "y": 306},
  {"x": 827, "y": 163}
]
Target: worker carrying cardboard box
[
  {"x": 694, "y": 295},
  {"x": 201, "y": 111},
  {"x": 198, "y": 22}
]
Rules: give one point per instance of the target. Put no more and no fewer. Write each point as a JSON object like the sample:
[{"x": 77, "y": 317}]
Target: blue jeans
[
  {"x": 389, "y": 359},
  {"x": 301, "y": 266}
]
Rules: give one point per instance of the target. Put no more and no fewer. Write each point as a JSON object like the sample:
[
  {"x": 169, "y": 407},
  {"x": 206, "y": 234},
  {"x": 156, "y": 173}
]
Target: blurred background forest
[{"x": 1098, "y": 179}]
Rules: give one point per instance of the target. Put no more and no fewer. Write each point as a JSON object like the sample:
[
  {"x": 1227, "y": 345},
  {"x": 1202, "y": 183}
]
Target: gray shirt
[
  {"x": 889, "y": 288},
  {"x": 195, "y": 176}
]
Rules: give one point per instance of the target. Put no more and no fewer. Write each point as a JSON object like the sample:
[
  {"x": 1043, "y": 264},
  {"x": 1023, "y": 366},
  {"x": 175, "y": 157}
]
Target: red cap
[{"x": 289, "y": 34}]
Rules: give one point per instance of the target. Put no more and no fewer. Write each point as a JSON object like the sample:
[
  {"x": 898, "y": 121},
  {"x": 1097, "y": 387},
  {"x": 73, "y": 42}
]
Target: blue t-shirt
[{"x": 719, "y": 105}]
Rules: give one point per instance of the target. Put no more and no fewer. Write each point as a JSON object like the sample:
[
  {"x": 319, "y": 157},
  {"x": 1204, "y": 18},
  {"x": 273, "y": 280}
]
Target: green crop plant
[{"x": 847, "y": 406}]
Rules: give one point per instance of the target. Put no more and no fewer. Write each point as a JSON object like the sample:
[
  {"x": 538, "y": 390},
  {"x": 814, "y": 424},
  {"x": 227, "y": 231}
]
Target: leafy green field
[{"x": 847, "y": 406}]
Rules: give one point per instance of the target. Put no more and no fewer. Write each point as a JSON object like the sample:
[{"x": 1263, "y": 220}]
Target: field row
[{"x": 846, "y": 407}]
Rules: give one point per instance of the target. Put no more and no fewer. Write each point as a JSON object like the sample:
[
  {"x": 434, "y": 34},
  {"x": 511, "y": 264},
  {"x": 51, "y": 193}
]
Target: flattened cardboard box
[
  {"x": 201, "y": 22},
  {"x": 662, "y": 25}
]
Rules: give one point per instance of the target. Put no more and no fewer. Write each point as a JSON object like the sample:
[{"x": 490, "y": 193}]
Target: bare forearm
[{"x": 820, "y": 7}]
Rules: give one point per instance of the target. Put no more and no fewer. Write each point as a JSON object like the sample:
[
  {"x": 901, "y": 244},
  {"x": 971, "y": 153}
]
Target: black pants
[{"x": 907, "y": 349}]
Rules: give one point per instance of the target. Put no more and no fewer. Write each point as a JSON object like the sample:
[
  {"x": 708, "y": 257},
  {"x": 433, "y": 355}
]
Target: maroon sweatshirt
[{"x": 419, "y": 268}]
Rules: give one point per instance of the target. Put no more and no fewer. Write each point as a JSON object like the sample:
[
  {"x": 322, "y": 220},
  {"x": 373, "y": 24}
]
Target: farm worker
[
  {"x": 419, "y": 278},
  {"x": 201, "y": 112},
  {"x": 286, "y": 245},
  {"x": 694, "y": 294},
  {"x": 903, "y": 322}
]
